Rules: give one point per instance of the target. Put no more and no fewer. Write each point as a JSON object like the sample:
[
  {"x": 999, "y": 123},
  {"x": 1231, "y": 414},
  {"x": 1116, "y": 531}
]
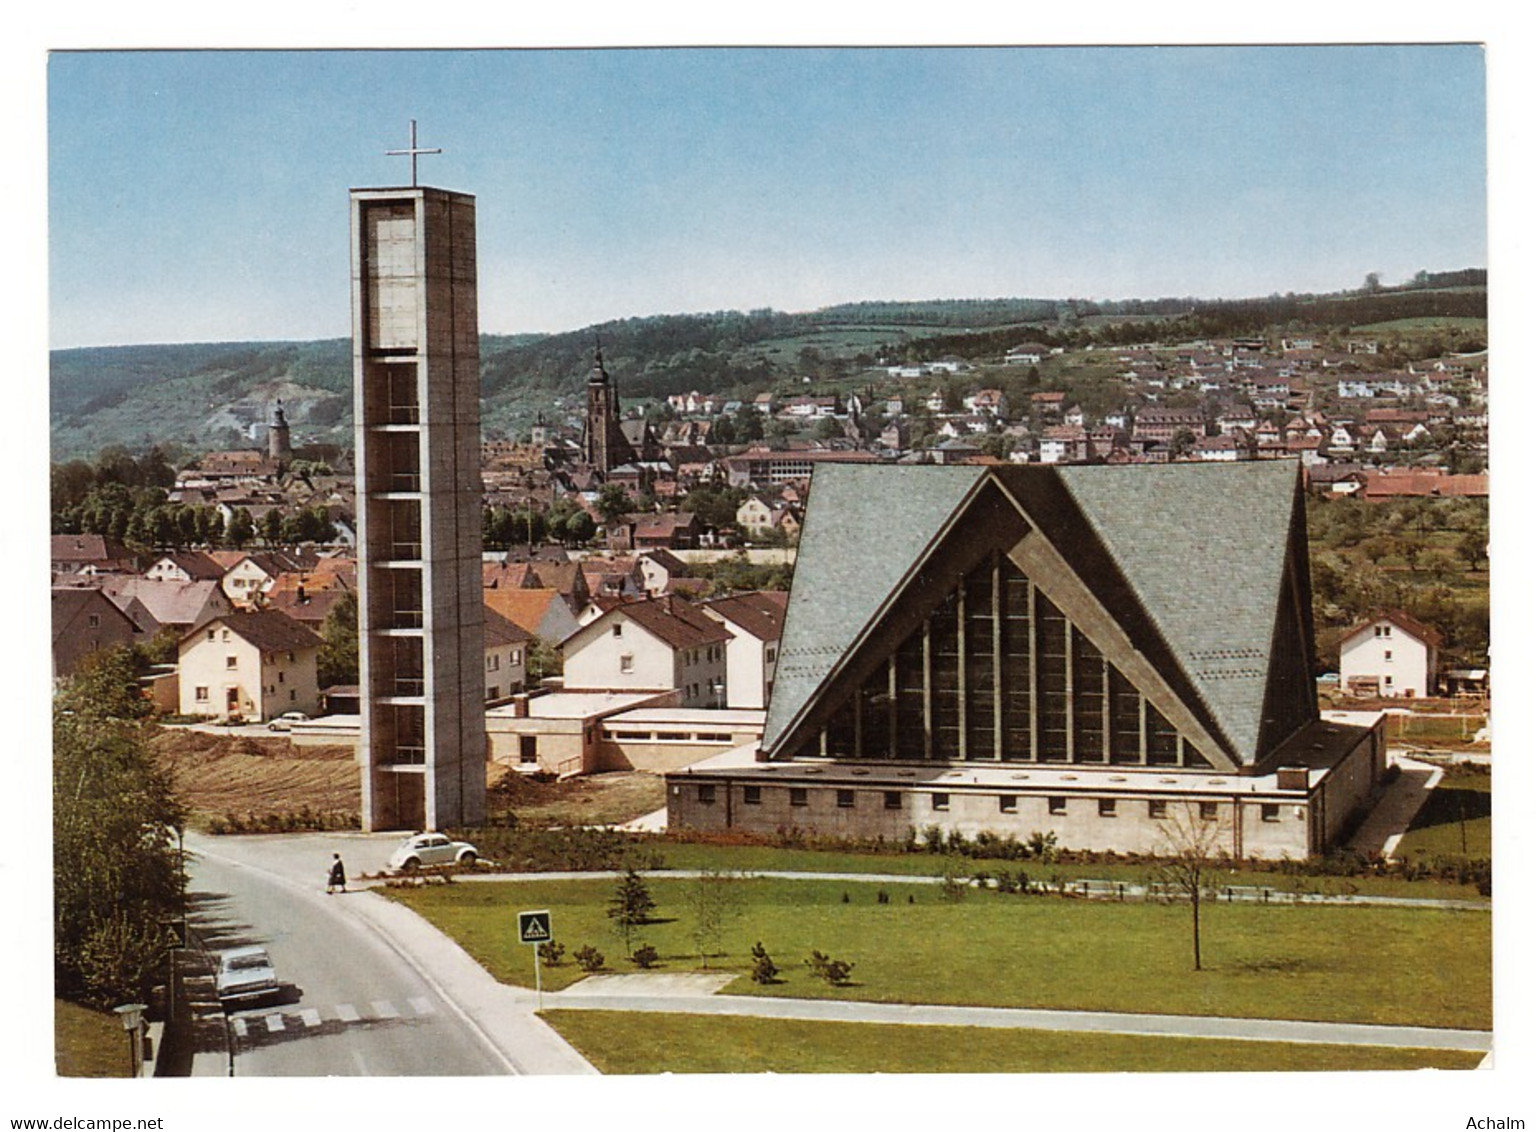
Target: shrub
[
  {"x": 551, "y": 953},
  {"x": 764, "y": 970},
  {"x": 645, "y": 957},
  {"x": 835, "y": 971},
  {"x": 589, "y": 959}
]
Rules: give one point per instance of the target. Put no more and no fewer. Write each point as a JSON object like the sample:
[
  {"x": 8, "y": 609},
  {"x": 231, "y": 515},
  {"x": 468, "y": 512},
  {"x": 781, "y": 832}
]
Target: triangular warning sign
[{"x": 533, "y": 927}]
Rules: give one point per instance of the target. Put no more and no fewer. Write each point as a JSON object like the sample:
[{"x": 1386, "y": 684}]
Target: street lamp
[{"x": 132, "y": 1015}]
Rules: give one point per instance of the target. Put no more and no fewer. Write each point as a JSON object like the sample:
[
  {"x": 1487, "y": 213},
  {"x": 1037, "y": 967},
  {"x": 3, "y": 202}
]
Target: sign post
[{"x": 533, "y": 927}]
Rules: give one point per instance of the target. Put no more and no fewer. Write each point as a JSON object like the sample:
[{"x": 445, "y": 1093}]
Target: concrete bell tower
[{"x": 416, "y": 388}]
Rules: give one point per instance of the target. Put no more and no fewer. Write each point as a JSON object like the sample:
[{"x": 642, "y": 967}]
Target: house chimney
[
  {"x": 520, "y": 706},
  {"x": 1291, "y": 778}
]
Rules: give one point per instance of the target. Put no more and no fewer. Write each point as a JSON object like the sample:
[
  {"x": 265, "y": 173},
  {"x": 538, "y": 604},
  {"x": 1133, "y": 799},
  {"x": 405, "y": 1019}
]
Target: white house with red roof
[
  {"x": 1391, "y": 655},
  {"x": 658, "y": 644}
]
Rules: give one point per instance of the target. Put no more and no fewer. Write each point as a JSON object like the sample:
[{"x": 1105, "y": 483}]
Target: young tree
[
  {"x": 631, "y": 907},
  {"x": 714, "y": 899},
  {"x": 1194, "y": 837}
]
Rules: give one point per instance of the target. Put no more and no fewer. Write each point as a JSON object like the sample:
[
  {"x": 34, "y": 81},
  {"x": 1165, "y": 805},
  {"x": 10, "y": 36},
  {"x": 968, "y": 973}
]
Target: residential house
[
  {"x": 543, "y": 612},
  {"x": 656, "y": 644},
  {"x": 85, "y": 622},
  {"x": 1391, "y": 655},
  {"x": 254, "y": 665},
  {"x": 90, "y": 554},
  {"x": 184, "y": 566},
  {"x": 506, "y": 657},
  {"x": 756, "y": 622},
  {"x": 179, "y": 606}
]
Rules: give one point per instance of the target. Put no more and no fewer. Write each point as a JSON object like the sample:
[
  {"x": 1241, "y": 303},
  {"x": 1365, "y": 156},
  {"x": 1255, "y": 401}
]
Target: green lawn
[
  {"x": 88, "y": 1043},
  {"x": 763, "y": 858},
  {"x": 1457, "y": 821},
  {"x": 1354, "y": 964},
  {"x": 619, "y": 1042}
]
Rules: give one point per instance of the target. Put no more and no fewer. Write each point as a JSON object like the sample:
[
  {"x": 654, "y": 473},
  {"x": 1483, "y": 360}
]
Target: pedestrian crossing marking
[
  {"x": 423, "y": 1006},
  {"x": 311, "y": 1017},
  {"x": 385, "y": 1009},
  {"x": 274, "y": 1023},
  {"x": 314, "y": 1018},
  {"x": 347, "y": 1012}
]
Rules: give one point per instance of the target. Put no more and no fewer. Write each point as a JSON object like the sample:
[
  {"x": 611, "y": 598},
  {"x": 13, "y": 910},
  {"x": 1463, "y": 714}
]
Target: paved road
[{"x": 353, "y": 1007}]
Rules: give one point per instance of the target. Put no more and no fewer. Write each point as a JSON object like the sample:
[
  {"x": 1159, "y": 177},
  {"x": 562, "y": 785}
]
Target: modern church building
[{"x": 1098, "y": 652}]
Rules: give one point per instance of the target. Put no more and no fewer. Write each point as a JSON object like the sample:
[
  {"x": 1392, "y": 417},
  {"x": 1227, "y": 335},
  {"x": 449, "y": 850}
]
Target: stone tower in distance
[
  {"x": 416, "y": 389},
  {"x": 279, "y": 441}
]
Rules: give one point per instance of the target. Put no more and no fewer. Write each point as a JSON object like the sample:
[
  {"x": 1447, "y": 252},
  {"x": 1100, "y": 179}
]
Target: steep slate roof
[
  {"x": 1190, "y": 559},
  {"x": 1206, "y": 558},
  {"x": 865, "y": 529}
]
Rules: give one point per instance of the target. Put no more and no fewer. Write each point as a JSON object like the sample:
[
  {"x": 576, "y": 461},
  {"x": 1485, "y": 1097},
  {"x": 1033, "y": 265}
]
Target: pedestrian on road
[{"x": 338, "y": 876}]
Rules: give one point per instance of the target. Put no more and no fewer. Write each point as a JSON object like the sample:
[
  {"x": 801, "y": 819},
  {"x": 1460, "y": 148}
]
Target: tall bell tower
[{"x": 416, "y": 389}]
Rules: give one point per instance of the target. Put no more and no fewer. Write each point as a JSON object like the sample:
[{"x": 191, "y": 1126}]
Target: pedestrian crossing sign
[{"x": 533, "y": 927}]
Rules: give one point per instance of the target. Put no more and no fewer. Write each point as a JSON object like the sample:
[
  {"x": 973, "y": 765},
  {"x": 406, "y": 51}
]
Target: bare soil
[
  {"x": 221, "y": 775},
  {"x": 217, "y": 775}
]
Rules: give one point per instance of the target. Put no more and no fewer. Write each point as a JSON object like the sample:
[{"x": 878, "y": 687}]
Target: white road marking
[
  {"x": 311, "y": 1017},
  {"x": 238, "y": 1025},
  {"x": 423, "y": 1005},
  {"x": 385, "y": 1009},
  {"x": 347, "y": 1012},
  {"x": 274, "y": 1023}
]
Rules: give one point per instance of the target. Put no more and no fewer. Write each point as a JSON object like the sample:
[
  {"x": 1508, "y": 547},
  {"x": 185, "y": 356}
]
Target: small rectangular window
[
  {"x": 845, "y": 799},
  {"x": 231, "y": 662},
  {"x": 1106, "y": 807},
  {"x": 1008, "y": 803},
  {"x": 1207, "y": 811},
  {"x": 707, "y": 795},
  {"x": 626, "y": 663},
  {"x": 1157, "y": 808},
  {"x": 798, "y": 796},
  {"x": 939, "y": 801},
  {"x": 93, "y": 621},
  {"x": 1387, "y": 655},
  {"x": 752, "y": 795},
  {"x": 1270, "y": 811},
  {"x": 201, "y": 695},
  {"x": 893, "y": 799},
  {"x": 1057, "y": 805},
  {"x": 618, "y": 629}
]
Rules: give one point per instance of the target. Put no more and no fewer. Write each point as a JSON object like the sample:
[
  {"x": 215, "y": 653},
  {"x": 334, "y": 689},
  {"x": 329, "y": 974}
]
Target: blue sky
[{"x": 198, "y": 196}]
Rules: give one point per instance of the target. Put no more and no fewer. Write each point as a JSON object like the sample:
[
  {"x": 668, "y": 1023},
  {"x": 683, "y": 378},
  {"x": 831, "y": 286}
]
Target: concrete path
[
  {"x": 1077, "y": 1021},
  {"x": 1384, "y": 827}
]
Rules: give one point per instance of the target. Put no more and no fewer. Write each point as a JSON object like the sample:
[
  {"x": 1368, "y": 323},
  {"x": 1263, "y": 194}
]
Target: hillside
[{"x": 208, "y": 396}]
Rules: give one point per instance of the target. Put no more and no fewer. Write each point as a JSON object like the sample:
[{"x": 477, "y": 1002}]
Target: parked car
[
  {"x": 245, "y": 975},
  {"x": 286, "y": 721},
  {"x": 427, "y": 849}
]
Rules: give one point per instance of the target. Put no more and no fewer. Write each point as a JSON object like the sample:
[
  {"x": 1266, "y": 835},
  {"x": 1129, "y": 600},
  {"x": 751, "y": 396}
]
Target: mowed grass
[
  {"x": 88, "y": 1043},
  {"x": 1460, "y": 807},
  {"x": 620, "y": 1042},
  {"x": 1402, "y": 966}
]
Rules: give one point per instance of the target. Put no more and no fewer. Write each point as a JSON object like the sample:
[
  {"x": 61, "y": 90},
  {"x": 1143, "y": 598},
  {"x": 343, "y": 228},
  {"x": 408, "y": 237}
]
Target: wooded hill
[{"x": 207, "y": 396}]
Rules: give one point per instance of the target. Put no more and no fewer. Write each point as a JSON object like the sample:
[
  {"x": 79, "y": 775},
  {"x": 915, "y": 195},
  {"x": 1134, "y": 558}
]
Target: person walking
[{"x": 338, "y": 875}]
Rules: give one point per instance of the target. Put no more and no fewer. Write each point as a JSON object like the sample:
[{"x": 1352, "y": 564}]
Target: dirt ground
[
  {"x": 236, "y": 774},
  {"x": 219, "y": 775}
]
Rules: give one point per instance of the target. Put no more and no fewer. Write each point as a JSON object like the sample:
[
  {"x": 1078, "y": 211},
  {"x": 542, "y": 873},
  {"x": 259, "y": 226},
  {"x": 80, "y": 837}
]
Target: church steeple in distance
[
  {"x": 279, "y": 442},
  {"x": 604, "y": 446}
]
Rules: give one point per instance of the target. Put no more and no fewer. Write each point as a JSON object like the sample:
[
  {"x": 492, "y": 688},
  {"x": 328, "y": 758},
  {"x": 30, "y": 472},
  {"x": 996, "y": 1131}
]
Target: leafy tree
[
  {"x": 241, "y": 530},
  {"x": 337, "y": 661},
  {"x": 544, "y": 660},
  {"x": 272, "y": 526},
  {"x": 578, "y": 528},
  {"x": 613, "y": 502},
  {"x": 631, "y": 907},
  {"x": 116, "y": 869}
]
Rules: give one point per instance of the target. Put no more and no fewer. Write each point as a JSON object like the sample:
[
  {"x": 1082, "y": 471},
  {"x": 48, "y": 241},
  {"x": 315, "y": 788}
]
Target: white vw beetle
[{"x": 422, "y": 850}]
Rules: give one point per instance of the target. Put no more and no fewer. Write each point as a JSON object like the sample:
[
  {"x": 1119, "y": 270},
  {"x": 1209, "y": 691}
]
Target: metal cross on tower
[{"x": 411, "y": 153}]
